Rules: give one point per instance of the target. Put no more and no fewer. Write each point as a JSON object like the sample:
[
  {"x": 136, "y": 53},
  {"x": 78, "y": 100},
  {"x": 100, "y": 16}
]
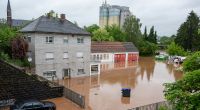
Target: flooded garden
[{"x": 145, "y": 78}]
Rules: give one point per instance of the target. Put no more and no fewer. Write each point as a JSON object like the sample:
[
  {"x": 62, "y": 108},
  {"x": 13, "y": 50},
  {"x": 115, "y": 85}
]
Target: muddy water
[{"x": 145, "y": 78}]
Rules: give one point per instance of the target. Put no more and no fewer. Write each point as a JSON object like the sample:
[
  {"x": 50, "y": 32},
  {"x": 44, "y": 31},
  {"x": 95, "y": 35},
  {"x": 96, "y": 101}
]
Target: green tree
[
  {"x": 147, "y": 48},
  {"x": 155, "y": 37},
  {"x": 116, "y": 32},
  {"x": 132, "y": 30},
  {"x": 151, "y": 36},
  {"x": 166, "y": 40},
  {"x": 187, "y": 35},
  {"x": 145, "y": 33},
  {"x": 91, "y": 28},
  {"x": 185, "y": 93},
  {"x": 101, "y": 35},
  {"x": 6, "y": 35},
  {"x": 192, "y": 62},
  {"x": 174, "y": 49}
]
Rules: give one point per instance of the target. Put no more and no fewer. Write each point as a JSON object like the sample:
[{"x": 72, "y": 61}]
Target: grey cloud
[{"x": 165, "y": 15}]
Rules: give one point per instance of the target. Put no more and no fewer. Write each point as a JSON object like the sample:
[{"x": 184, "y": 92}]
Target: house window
[
  {"x": 81, "y": 71},
  {"x": 65, "y": 55},
  {"x": 94, "y": 69},
  {"x": 101, "y": 56},
  {"x": 29, "y": 38},
  {"x": 97, "y": 57},
  {"x": 49, "y": 40},
  {"x": 94, "y": 57},
  {"x": 80, "y": 40},
  {"x": 79, "y": 54},
  {"x": 104, "y": 56},
  {"x": 107, "y": 56},
  {"x": 49, "y": 56},
  {"x": 65, "y": 40},
  {"x": 49, "y": 74}
]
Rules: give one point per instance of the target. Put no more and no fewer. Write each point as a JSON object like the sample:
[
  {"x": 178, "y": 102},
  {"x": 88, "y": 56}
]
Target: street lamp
[{"x": 29, "y": 60}]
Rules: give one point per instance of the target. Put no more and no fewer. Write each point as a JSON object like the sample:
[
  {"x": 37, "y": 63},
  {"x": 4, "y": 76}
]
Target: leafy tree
[
  {"x": 145, "y": 33},
  {"x": 174, "y": 49},
  {"x": 147, "y": 48},
  {"x": 101, "y": 35},
  {"x": 133, "y": 33},
  {"x": 6, "y": 35},
  {"x": 187, "y": 35},
  {"x": 152, "y": 37},
  {"x": 192, "y": 62},
  {"x": 116, "y": 32},
  {"x": 166, "y": 40},
  {"x": 185, "y": 93},
  {"x": 19, "y": 48},
  {"x": 91, "y": 28},
  {"x": 155, "y": 37},
  {"x": 132, "y": 30}
]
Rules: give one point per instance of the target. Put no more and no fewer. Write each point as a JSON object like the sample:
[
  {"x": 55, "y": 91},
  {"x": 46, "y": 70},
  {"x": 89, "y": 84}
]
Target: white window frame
[
  {"x": 49, "y": 39},
  {"x": 65, "y": 40},
  {"x": 29, "y": 39},
  {"x": 49, "y": 74},
  {"x": 80, "y": 40},
  {"x": 49, "y": 58},
  {"x": 81, "y": 71},
  {"x": 65, "y": 55}
]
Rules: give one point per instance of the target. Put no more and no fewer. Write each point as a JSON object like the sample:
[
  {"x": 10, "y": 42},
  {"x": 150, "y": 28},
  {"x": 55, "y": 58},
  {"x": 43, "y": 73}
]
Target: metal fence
[
  {"x": 74, "y": 97},
  {"x": 155, "y": 106}
]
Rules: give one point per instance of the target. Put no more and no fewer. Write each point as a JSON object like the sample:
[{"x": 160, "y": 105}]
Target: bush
[
  {"x": 146, "y": 48},
  {"x": 19, "y": 62},
  {"x": 184, "y": 94},
  {"x": 192, "y": 62},
  {"x": 4, "y": 56},
  {"x": 174, "y": 49}
]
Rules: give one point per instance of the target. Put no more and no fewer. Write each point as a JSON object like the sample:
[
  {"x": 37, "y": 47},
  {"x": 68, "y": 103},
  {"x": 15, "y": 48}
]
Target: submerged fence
[
  {"x": 154, "y": 106},
  {"x": 74, "y": 97}
]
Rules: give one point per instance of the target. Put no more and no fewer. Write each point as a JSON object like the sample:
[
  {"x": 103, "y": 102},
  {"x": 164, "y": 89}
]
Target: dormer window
[{"x": 49, "y": 40}]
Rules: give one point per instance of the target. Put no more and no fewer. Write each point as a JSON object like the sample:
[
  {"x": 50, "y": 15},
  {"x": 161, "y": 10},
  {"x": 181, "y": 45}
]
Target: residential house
[{"x": 59, "y": 48}]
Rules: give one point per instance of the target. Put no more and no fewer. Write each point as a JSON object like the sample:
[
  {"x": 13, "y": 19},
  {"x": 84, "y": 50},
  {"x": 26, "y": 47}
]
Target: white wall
[{"x": 58, "y": 48}]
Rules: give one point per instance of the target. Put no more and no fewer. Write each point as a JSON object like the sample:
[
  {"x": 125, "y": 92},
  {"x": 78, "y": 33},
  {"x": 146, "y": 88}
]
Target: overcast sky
[{"x": 165, "y": 15}]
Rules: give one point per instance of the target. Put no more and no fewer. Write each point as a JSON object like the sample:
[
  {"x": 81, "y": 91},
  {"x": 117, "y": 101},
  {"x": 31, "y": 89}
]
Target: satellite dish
[{"x": 29, "y": 59}]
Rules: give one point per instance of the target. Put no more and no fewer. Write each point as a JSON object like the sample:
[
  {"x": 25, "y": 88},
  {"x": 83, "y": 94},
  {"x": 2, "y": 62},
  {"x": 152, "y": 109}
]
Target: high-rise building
[{"x": 113, "y": 14}]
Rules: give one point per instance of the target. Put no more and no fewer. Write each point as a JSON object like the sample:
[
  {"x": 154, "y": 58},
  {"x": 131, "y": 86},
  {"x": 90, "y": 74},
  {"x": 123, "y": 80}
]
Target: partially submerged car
[{"x": 33, "y": 105}]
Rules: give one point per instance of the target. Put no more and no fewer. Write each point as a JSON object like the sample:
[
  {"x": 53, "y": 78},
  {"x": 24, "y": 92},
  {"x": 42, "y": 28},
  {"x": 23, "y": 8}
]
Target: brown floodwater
[{"x": 145, "y": 78}]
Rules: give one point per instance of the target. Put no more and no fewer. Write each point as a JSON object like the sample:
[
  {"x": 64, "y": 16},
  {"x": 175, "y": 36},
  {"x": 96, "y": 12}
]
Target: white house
[{"x": 59, "y": 48}]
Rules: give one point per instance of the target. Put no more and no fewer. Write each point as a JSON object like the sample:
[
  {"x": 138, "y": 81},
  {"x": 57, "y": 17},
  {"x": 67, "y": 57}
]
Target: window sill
[{"x": 49, "y": 59}]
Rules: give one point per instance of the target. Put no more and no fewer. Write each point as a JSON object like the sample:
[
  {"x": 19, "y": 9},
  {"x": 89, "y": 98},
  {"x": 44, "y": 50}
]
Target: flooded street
[{"x": 145, "y": 78}]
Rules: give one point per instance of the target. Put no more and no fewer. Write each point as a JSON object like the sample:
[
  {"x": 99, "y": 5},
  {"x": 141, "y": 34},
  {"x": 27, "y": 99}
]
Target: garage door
[
  {"x": 120, "y": 57},
  {"x": 132, "y": 57}
]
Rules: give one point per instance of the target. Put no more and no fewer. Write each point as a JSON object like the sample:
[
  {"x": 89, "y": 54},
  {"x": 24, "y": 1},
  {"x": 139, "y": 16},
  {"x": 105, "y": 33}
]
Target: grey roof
[
  {"x": 130, "y": 47},
  {"x": 19, "y": 22},
  {"x": 45, "y": 24}
]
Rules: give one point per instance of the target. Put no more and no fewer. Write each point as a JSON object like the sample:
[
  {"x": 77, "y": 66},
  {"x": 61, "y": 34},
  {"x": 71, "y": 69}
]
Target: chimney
[{"x": 62, "y": 17}]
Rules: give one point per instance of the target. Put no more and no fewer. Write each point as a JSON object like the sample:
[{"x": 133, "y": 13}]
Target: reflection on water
[
  {"x": 145, "y": 78},
  {"x": 146, "y": 66}
]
